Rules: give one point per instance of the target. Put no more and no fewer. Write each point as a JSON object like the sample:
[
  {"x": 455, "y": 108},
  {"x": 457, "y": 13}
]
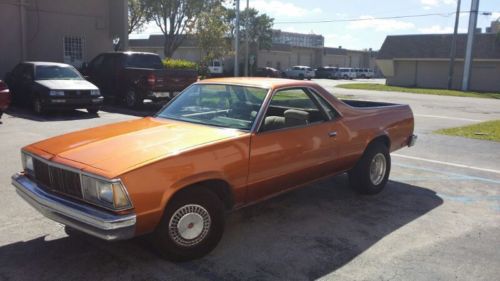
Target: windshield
[
  {"x": 56, "y": 72},
  {"x": 227, "y": 106}
]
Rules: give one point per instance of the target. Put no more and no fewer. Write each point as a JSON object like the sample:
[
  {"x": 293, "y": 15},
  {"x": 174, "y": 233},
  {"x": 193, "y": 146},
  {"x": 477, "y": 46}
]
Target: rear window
[{"x": 144, "y": 61}]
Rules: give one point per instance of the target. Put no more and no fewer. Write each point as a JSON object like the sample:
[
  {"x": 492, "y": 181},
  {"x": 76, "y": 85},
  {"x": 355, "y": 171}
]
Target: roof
[
  {"x": 259, "y": 82},
  {"x": 158, "y": 40},
  {"x": 334, "y": 51},
  {"x": 435, "y": 46},
  {"x": 39, "y": 63}
]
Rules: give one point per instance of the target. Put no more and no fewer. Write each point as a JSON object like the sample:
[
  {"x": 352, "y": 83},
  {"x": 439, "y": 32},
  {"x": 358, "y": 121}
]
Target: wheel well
[
  {"x": 382, "y": 139},
  {"x": 219, "y": 187}
]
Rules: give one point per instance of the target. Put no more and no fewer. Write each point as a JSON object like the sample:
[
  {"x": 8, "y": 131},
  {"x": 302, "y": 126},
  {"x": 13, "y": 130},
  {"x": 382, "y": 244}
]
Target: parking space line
[
  {"x": 446, "y": 117},
  {"x": 436, "y": 171},
  {"x": 447, "y": 163}
]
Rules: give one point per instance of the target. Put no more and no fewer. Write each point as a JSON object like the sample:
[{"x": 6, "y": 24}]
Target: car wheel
[
  {"x": 371, "y": 173},
  {"x": 132, "y": 99},
  {"x": 191, "y": 227},
  {"x": 301, "y": 76},
  {"x": 38, "y": 106},
  {"x": 93, "y": 110}
]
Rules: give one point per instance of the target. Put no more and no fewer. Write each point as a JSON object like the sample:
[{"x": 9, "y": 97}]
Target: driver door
[{"x": 296, "y": 143}]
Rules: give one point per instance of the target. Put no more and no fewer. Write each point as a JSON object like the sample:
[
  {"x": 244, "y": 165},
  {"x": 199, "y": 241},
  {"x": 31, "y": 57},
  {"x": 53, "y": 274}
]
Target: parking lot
[{"x": 437, "y": 219}]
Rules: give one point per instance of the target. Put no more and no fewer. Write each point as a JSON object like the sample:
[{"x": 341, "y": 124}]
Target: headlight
[
  {"x": 108, "y": 194},
  {"x": 95, "y": 93},
  {"x": 54, "y": 93},
  {"x": 28, "y": 163}
]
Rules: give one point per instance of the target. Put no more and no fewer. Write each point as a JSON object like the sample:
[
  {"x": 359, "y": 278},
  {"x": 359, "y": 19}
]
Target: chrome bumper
[
  {"x": 412, "y": 140},
  {"x": 87, "y": 219}
]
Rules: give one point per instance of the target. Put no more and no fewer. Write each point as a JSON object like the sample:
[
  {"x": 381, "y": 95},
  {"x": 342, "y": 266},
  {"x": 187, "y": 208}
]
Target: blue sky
[{"x": 368, "y": 33}]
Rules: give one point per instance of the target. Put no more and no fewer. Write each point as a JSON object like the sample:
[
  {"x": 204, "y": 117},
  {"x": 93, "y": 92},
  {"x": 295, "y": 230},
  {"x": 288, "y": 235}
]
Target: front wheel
[
  {"x": 191, "y": 227},
  {"x": 38, "y": 106},
  {"x": 371, "y": 173},
  {"x": 93, "y": 110}
]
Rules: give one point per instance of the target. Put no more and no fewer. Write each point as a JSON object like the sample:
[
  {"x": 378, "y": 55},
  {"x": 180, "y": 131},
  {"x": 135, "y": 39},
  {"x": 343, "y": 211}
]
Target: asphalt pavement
[{"x": 438, "y": 218}]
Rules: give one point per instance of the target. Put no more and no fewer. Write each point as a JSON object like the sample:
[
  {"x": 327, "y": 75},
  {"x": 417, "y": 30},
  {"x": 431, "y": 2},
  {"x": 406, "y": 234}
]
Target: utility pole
[
  {"x": 246, "y": 39},
  {"x": 453, "y": 49},
  {"x": 470, "y": 44},
  {"x": 237, "y": 40}
]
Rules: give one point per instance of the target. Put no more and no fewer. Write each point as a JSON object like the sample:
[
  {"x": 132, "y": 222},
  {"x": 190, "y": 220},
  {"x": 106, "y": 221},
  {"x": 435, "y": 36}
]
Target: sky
[{"x": 370, "y": 32}]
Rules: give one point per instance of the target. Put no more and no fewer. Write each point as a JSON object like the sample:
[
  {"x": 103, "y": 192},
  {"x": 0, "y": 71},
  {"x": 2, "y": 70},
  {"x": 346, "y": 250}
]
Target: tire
[
  {"x": 38, "y": 106},
  {"x": 132, "y": 99},
  {"x": 92, "y": 110},
  {"x": 206, "y": 211},
  {"x": 371, "y": 173},
  {"x": 301, "y": 76},
  {"x": 309, "y": 78}
]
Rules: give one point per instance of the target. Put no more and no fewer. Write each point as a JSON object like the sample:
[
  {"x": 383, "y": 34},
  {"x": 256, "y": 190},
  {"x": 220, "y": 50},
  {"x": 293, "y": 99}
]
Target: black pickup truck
[{"x": 132, "y": 77}]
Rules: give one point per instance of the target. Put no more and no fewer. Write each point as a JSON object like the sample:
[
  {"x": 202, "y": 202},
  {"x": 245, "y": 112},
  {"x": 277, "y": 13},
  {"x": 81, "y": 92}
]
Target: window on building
[{"x": 73, "y": 50}]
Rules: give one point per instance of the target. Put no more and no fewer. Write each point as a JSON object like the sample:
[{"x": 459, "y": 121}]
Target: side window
[
  {"x": 291, "y": 108},
  {"x": 326, "y": 106}
]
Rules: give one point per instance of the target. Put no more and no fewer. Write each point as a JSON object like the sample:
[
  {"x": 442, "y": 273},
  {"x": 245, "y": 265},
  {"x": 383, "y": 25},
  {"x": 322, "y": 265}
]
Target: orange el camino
[{"x": 219, "y": 145}]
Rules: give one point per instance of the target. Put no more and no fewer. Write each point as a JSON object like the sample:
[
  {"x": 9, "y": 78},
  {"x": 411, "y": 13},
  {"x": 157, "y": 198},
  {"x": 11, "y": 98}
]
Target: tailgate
[{"x": 174, "y": 80}]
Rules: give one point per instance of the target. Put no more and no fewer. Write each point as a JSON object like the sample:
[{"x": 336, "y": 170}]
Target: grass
[
  {"x": 484, "y": 131},
  {"x": 440, "y": 92}
]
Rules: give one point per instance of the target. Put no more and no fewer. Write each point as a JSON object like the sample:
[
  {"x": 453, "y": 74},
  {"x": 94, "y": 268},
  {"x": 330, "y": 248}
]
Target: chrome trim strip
[{"x": 93, "y": 221}]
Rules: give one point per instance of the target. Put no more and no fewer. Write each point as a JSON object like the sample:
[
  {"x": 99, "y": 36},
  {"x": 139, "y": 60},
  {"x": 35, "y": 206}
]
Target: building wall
[
  {"x": 275, "y": 59},
  {"x": 434, "y": 74},
  {"x": 48, "y": 22}
]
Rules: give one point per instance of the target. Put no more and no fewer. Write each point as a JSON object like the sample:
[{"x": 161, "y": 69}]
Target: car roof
[
  {"x": 39, "y": 63},
  {"x": 259, "y": 82}
]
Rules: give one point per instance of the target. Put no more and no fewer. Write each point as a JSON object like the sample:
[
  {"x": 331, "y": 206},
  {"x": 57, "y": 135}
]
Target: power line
[{"x": 377, "y": 18}]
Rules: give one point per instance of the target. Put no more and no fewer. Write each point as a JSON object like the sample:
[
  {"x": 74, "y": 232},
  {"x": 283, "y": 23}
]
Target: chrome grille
[{"x": 57, "y": 179}]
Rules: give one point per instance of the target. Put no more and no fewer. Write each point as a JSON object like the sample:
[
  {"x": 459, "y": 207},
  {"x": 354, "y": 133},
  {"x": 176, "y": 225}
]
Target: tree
[
  {"x": 212, "y": 31},
  {"x": 259, "y": 27},
  {"x": 175, "y": 18},
  {"x": 138, "y": 15}
]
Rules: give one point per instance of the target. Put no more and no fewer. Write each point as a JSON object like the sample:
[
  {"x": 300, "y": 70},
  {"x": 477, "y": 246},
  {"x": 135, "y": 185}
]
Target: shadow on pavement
[
  {"x": 66, "y": 115},
  {"x": 302, "y": 235}
]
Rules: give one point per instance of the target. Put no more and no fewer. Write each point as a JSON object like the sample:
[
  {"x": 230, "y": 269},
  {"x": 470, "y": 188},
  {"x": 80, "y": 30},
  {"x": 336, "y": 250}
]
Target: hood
[
  {"x": 117, "y": 148},
  {"x": 67, "y": 84}
]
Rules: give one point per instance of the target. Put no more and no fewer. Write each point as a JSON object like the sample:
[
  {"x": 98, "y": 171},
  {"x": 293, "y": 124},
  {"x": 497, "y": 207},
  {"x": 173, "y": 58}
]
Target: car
[
  {"x": 49, "y": 85},
  {"x": 221, "y": 144},
  {"x": 328, "y": 72},
  {"x": 299, "y": 72},
  {"x": 216, "y": 68},
  {"x": 347, "y": 73},
  {"x": 365, "y": 73},
  {"x": 267, "y": 72},
  {"x": 132, "y": 77},
  {"x": 4, "y": 97}
]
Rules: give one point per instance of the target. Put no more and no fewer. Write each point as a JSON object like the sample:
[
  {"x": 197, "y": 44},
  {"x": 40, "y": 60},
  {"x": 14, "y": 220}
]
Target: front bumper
[
  {"x": 85, "y": 218},
  {"x": 72, "y": 103}
]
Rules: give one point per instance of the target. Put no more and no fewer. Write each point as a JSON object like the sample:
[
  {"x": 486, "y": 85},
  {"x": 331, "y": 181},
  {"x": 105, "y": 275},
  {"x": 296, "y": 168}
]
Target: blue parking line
[{"x": 456, "y": 175}]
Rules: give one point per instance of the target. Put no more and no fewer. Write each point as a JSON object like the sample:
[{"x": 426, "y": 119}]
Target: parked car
[
  {"x": 365, "y": 73},
  {"x": 221, "y": 144},
  {"x": 267, "y": 72},
  {"x": 299, "y": 72},
  {"x": 327, "y": 72},
  {"x": 132, "y": 77},
  {"x": 4, "y": 97},
  {"x": 216, "y": 68},
  {"x": 48, "y": 85},
  {"x": 347, "y": 73}
]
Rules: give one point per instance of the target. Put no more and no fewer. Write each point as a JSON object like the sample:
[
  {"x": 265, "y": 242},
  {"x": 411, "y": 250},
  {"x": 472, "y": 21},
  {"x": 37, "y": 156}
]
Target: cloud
[
  {"x": 281, "y": 9},
  {"x": 429, "y": 4},
  {"x": 382, "y": 25},
  {"x": 438, "y": 29}
]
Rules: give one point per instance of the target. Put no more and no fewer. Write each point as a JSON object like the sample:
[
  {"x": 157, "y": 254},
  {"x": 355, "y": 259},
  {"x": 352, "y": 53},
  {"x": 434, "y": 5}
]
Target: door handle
[{"x": 332, "y": 134}]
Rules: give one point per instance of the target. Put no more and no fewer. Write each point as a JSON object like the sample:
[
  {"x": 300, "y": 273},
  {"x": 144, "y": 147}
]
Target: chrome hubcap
[
  {"x": 189, "y": 225},
  {"x": 377, "y": 169}
]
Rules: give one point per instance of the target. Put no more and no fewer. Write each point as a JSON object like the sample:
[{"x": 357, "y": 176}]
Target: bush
[{"x": 179, "y": 64}]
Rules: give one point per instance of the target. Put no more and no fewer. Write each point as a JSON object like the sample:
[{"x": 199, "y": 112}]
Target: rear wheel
[
  {"x": 371, "y": 173},
  {"x": 93, "y": 110},
  {"x": 192, "y": 225},
  {"x": 132, "y": 99}
]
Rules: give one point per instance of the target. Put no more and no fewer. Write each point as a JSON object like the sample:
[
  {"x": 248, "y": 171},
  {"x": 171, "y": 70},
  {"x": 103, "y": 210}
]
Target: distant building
[
  {"x": 69, "y": 31},
  {"x": 298, "y": 39},
  {"x": 422, "y": 61},
  {"x": 494, "y": 28}
]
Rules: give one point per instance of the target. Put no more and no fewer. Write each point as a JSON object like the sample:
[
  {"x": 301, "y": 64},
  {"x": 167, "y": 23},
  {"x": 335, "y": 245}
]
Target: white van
[{"x": 216, "y": 68}]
